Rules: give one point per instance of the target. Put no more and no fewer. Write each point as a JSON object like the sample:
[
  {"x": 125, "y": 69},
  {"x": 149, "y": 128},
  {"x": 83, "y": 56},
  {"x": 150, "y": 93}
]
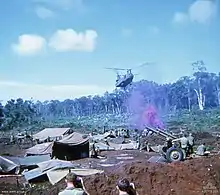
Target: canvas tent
[
  {"x": 71, "y": 147},
  {"x": 38, "y": 173},
  {"x": 56, "y": 172},
  {"x": 74, "y": 146},
  {"x": 103, "y": 146},
  {"x": 128, "y": 146},
  {"x": 54, "y": 163},
  {"x": 28, "y": 160},
  {"x": 7, "y": 166},
  {"x": 40, "y": 149},
  {"x": 100, "y": 137},
  {"x": 56, "y": 175},
  {"x": 52, "y": 133}
]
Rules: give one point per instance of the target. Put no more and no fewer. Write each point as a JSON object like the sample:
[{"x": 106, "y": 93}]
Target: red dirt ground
[
  {"x": 193, "y": 177},
  {"x": 185, "y": 178}
]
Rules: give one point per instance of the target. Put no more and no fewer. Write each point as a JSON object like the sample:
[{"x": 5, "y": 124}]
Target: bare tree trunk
[
  {"x": 106, "y": 108},
  {"x": 218, "y": 97},
  {"x": 118, "y": 108},
  {"x": 200, "y": 98},
  {"x": 113, "y": 109},
  {"x": 189, "y": 100},
  {"x": 218, "y": 94}
]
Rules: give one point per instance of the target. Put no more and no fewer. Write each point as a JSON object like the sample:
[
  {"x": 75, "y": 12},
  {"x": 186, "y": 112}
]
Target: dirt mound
[
  {"x": 203, "y": 135},
  {"x": 13, "y": 149},
  {"x": 206, "y": 137},
  {"x": 191, "y": 177}
]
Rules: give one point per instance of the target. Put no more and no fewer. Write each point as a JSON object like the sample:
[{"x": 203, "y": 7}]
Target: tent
[
  {"x": 38, "y": 173},
  {"x": 46, "y": 165},
  {"x": 100, "y": 136},
  {"x": 52, "y": 133},
  {"x": 28, "y": 160},
  {"x": 57, "y": 172},
  {"x": 128, "y": 146},
  {"x": 103, "y": 146},
  {"x": 73, "y": 147},
  {"x": 40, "y": 149},
  {"x": 7, "y": 166},
  {"x": 55, "y": 175}
]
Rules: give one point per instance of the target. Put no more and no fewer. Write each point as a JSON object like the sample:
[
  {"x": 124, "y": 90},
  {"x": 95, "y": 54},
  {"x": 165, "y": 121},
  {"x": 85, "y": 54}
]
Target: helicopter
[{"x": 124, "y": 80}]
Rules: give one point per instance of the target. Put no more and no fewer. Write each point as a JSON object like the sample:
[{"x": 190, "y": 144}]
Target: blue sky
[{"x": 57, "y": 49}]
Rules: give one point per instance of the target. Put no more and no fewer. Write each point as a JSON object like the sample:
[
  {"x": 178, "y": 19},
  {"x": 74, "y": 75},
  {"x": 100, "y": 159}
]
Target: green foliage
[
  {"x": 177, "y": 101},
  {"x": 196, "y": 120},
  {"x": 1, "y": 115},
  {"x": 18, "y": 113}
]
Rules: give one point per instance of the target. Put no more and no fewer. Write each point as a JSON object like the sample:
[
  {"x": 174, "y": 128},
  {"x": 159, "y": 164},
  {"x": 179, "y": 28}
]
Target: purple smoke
[
  {"x": 140, "y": 115},
  {"x": 150, "y": 117},
  {"x": 136, "y": 106}
]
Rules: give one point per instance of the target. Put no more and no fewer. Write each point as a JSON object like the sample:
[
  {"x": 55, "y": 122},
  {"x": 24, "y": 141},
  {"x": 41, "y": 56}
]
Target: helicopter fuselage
[{"x": 124, "y": 81}]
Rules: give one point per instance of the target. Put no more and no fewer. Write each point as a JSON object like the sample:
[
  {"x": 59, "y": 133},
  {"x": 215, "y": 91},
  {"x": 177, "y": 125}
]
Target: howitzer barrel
[
  {"x": 161, "y": 133},
  {"x": 167, "y": 134}
]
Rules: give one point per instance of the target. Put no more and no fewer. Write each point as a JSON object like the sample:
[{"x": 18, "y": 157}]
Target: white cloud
[
  {"x": 201, "y": 11},
  {"x": 180, "y": 17},
  {"x": 14, "y": 90},
  {"x": 154, "y": 29},
  {"x": 67, "y": 40},
  {"x": 29, "y": 44},
  {"x": 44, "y": 13},
  {"x": 126, "y": 32},
  {"x": 61, "y": 41}
]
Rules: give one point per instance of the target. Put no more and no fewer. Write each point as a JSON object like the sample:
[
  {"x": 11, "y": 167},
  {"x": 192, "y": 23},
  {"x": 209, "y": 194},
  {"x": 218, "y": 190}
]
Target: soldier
[
  {"x": 201, "y": 150},
  {"x": 145, "y": 146},
  {"x": 169, "y": 143},
  {"x": 184, "y": 144},
  {"x": 124, "y": 187},
  {"x": 191, "y": 143},
  {"x": 95, "y": 151},
  {"x": 75, "y": 186},
  {"x": 127, "y": 133},
  {"x": 12, "y": 139}
]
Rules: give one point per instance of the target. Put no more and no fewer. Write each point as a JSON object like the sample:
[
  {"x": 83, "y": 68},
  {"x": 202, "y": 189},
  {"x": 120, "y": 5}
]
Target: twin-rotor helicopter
[{"x": 126, "y": 79}]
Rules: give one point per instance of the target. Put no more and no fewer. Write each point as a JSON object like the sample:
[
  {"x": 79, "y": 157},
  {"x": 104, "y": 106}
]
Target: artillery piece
[{"x": 172, "y": 152}]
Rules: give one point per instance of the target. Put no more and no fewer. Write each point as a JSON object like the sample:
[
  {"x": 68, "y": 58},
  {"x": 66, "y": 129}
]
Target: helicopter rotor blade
[
  {"x": 144, "y": 64},
  {"x": 116, "y": 68}
]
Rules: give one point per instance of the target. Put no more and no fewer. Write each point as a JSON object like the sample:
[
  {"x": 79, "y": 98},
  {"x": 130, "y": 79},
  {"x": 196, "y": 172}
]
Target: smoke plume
[{"x": 142, "y": 114}]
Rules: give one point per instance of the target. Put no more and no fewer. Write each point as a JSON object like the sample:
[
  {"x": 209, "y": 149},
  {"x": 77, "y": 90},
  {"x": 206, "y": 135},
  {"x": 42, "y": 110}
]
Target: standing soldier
[
  {"x": 12, "y": 139},
  {"x": 190, "y": 143},
  {"x": 184, "y": 144}
]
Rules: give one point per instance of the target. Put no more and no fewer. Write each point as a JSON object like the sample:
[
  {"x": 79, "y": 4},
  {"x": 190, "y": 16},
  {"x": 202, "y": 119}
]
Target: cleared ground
[{"x": 193, "y": 177}]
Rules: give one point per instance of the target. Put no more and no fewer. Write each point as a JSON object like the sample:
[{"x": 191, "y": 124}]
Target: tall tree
[{"x": 200, "y": 75}]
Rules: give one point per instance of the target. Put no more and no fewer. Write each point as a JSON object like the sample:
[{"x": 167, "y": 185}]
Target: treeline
[{"x": 200, "y": 91}]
